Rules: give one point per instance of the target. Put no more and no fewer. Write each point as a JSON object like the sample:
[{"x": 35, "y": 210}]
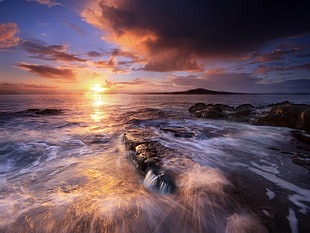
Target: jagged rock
[
  {"x": 283, "y": 114},
  {"x": 148, "y": 155},
  {"x": 287, "y": 114}
]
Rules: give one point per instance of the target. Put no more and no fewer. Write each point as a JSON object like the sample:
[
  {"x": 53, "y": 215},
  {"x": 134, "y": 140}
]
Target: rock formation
[{"x": 283, "y": 114}]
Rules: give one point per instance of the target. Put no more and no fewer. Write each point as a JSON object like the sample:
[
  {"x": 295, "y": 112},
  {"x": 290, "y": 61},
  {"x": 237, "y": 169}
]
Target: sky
[{"x": 125, "y": 46}]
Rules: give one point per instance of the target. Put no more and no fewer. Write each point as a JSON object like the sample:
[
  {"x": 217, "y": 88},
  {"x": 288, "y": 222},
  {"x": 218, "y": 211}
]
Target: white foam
[
  {"x": 272, "y": 169},
  {"x": 271, "y": 195},
  {"x": 297, "y": 200},
  {"x": 150, "y": 180},
  {"x": 291, "y": 217},
  {"x": 266, "y": 213},
  {"x": 303, "y": 194}
]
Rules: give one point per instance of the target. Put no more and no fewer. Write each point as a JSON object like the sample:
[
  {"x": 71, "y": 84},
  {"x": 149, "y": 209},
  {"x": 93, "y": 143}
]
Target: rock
[
  {"x": 211, "y": 111},
  {"x": 197, "y": 109},
  {"x": 283, "y": 114},
  {"x": 147, "y": 155},
  {"x": 49, "y": 112},
  {"x": 179, "y": 131},
  {"x": 302, "y": 160}
]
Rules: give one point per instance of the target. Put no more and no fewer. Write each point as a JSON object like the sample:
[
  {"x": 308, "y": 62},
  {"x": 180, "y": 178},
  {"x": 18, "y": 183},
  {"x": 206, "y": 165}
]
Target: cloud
[
  {"x": 299, "y": 85},
  {"x": 112, "y": 65},
  {"x": 200, "y": 29},
  {"x": 93, "y": 54},
  {"x": 7, "y": 88},
  {"x": 50, "y": 52},
  {"x": 262, "y": 69},
  {"x": 75, "y": 28},
  {"x": 109, "y": 64},
  {"x": 8, "y": 38},
  {"x": 173, "y": 62},
  {"x": 46, "y": 71},
  {"x": 49, "y": 3},
  {"x": 275, "y": 55},
  {"x": 116, "y": 52}
]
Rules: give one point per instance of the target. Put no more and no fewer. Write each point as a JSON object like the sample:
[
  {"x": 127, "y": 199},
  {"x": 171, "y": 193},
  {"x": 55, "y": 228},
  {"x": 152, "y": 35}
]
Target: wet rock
[
  {"x": 302, "y": 160},
  {"x": 287, "y": 115},
  {"x": 283, "y": 114},
  {"x": 179, "y": 131},
  {"x": 244, "y": 112},
  {"x": 198, "y": 109},
  {"x": 148, "y": 156}
]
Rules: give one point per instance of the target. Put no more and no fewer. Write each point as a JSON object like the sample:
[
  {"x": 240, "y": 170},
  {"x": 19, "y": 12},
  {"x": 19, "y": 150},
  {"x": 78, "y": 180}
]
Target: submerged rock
[
  {"x": 179, "y": 131},
  {"x": 48, "y": 111},
  {"x": 283, "y": 114},
  {"x": 302, "y": 160}
]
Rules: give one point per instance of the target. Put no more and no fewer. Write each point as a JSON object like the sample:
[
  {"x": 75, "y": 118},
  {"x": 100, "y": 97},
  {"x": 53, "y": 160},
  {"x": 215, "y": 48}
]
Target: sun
[{"x": 97, "y": 88}]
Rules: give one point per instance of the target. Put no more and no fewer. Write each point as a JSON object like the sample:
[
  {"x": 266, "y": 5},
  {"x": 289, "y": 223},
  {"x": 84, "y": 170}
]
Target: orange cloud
[
  {"x": 45, "y": 71},
  {"x": 8, "y": 38},
  {"x": 122, "y": 27}
]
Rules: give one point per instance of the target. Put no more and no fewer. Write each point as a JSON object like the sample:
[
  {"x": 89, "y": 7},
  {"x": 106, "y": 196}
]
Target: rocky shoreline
[
  {"x": 285, "y": 114},
  {"x": 163, "y": 169}
]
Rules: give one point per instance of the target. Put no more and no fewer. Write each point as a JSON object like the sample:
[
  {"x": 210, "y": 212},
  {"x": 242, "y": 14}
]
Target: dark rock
[
  {"x": 49, "y": 112},
  {"x": 148, "y": 155},
  {"x": 136, "y": 137},
  {"x": 284, "y": 114},
  {"x": 211, "y": 111},
  {"x": 302, "y": 160},
  {"x": 197, "y": 109},
  {"x": 179, "y": 132},
  {"x": 245, "y": 110},
  {"x": 33, "y": 110}
]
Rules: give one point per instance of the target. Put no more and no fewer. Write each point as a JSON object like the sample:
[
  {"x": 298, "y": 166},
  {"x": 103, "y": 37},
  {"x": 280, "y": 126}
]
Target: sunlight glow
[{"x": 97, "y": 88}]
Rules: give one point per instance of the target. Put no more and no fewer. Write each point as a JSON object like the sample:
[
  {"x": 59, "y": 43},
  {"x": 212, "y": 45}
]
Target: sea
[{"x": 69, "y": 171}]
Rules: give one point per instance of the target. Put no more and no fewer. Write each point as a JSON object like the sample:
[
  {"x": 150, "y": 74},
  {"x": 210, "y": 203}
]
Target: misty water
[{"x": 70, "y": 172}]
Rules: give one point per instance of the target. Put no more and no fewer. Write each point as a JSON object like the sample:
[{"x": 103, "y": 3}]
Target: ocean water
[{"x": 70, "y": 172}]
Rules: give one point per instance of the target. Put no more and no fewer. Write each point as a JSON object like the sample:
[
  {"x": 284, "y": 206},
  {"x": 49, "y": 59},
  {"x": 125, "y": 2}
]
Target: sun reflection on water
[{"x": 97, "y": 115}]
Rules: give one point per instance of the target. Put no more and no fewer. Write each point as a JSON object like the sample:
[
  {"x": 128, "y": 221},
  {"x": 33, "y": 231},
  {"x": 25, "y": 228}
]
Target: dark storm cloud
[
  {"x": 172, "y": 62},
  {"x": 50, "y": 52},
  {"x": 202, "y": 27},
  {"x": 46, "y": 71}
]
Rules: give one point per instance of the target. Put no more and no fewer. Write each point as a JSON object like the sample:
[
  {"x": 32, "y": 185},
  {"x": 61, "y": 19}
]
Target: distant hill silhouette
[{"x": 198, "y": 91}]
